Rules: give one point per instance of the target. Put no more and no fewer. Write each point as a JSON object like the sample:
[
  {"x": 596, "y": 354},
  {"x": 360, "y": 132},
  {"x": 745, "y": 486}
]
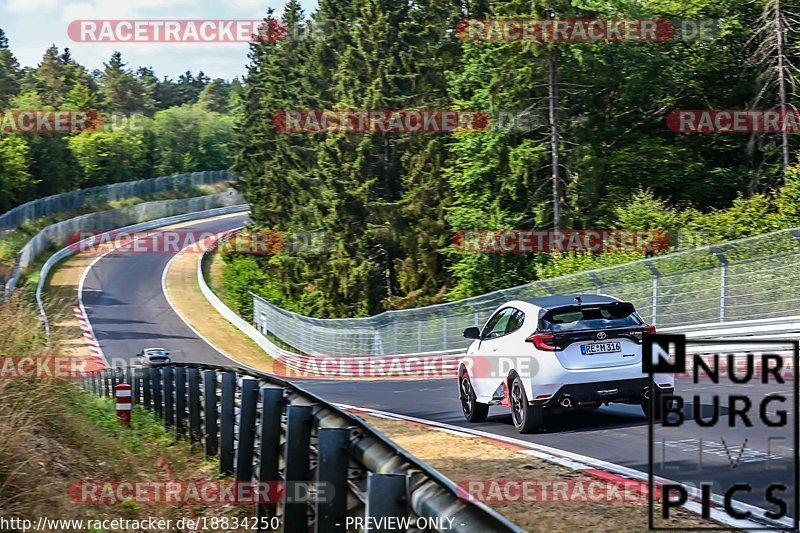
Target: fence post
[
  {"x": 247, "y": 430},
  {"x": 155, "y": 379},
  {"x": 723, "y": 281},
  {"x": 656, "y": 276},
  {"x": 193, "y": 385},
  {"x": 226, "y": 423},
  {"x": 332, "y": 464},
  {"x": 270, "y": 444},
  {"x": 210, "y": 412},
  {"x": 169, "y": 398},
  {"x": 445, "y": 330},
  {"x": 180, "y": 400},
  {"x": 386, "y": 495},
  {"x": 296, "y": 454}
]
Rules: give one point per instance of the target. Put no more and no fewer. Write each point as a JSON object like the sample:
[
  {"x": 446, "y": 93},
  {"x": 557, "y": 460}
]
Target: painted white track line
[{"x": 589, "y": 465}]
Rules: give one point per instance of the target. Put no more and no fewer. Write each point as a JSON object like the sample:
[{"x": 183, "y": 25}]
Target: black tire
[
  {"x": 473, "y": 411},
  {"x": 526, "y": 417}
]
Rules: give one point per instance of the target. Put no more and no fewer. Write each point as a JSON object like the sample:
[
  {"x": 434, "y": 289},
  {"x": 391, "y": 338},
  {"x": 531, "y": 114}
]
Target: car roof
[{"x": 150, "y": 350}]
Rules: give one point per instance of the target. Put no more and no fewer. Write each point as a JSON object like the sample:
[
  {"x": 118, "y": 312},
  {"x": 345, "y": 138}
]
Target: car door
[{"x": 488, "y": 352}]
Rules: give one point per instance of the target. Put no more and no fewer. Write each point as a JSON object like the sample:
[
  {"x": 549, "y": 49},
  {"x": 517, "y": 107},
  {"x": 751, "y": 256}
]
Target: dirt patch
[{"x": 463, "y": 459}]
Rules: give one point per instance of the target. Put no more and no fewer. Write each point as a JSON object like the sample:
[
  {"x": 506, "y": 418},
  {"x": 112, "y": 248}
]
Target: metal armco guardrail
[{"x": 264, "y": 429}]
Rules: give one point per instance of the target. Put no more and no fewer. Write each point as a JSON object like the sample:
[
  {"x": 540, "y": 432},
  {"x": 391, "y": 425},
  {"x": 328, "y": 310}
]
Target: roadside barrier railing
[
  {"x": 701, "y": 288},
  {"x": 266, "y": 430},
  {"x": 182, "y": 210},
  {"x": 82, "y": 198}
]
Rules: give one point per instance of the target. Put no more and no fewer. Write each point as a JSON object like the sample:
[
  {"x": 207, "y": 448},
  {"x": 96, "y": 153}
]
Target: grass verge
[
  {"x": 463, "y": 459},
  {"x": 53, "y": 435}
]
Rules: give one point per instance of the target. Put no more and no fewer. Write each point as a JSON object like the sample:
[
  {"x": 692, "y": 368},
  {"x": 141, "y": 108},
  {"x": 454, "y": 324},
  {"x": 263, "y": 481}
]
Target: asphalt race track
[
  {"x": 128, "y": 310},
  {"x": 126, "y": 306}
]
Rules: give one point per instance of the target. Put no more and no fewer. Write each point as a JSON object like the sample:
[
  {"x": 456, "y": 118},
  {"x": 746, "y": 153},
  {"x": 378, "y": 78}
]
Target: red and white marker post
[{"x": 122, "y": 392}]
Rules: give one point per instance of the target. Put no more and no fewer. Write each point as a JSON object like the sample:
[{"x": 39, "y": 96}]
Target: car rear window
[{"x": 573, "y": 318}]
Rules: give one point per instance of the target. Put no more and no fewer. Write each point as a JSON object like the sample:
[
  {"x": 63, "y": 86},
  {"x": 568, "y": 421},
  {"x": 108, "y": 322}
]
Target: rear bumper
[{"x": 619, "y": 391}]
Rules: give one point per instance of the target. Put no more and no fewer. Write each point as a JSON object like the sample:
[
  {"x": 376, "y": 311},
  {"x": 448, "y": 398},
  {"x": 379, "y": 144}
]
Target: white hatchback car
[{"x": 579, "y": 351}]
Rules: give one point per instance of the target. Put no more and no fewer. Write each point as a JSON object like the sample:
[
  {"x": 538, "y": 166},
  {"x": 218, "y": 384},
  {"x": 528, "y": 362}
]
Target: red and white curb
[
  {"x": 88, "y": 336},
  {"x": 594, "y": 467}
]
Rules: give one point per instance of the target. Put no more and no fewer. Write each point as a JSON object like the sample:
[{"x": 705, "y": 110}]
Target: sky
[{"x": 33, "y": 25}]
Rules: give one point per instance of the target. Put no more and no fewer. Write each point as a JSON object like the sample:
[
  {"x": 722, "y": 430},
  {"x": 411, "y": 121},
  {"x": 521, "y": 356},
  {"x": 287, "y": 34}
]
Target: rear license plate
[{"x": 600, "y": 347}]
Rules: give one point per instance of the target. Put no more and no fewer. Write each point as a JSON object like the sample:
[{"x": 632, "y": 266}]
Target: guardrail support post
[
  {"x": 169, "y": 398},
  {"x": 155, "y": 378},
  {"x": 296, "y": 454},
  {"x": 180, "y": 400},
  {"x": 269, "y": 447},
  {"x": 226, "y": 423},
  {"x": 210, "y": 412},
  {"x": 332, "y": 463},
  {"x": 247, "y": 430},
  {"x": 193, "y": 386},
  {"x": 136, "y": 382},
  {"x": 386, "y": 496},
  {"x": 146, "y": 388}
]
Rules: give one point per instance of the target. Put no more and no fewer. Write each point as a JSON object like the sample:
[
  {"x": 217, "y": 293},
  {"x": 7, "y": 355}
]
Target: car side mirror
[
  {"x": 472, "y": 333},
  {"x": 139, "y": 355}
]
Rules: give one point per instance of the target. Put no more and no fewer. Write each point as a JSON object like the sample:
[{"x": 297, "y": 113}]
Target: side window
[
  {"x": 515, "y": 322},
  {"x": 498, "y": 323}
]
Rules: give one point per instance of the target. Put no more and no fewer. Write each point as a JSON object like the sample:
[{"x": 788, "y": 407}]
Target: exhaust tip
[
  {"x": 565, "y": 401},
  {"x": 646, "y": 393}
]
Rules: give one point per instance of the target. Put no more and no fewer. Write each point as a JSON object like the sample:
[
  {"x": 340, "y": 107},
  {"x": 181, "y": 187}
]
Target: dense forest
[
  {"x": 588, "y": 145},
  {"x": 152, "y": 127},
  {"x": 389, "y": 202}
]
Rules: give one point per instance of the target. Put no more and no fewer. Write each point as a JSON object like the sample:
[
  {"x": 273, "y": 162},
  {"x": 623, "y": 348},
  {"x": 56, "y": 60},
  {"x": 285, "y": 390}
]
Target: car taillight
[
  {"x": 649, "y": 329},
  {"x": 543, "y": 341}
]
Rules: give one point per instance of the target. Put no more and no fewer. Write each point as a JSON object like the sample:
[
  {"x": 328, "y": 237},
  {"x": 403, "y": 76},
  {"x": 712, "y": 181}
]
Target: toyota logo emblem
[{"x": 601, "y": 335}]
